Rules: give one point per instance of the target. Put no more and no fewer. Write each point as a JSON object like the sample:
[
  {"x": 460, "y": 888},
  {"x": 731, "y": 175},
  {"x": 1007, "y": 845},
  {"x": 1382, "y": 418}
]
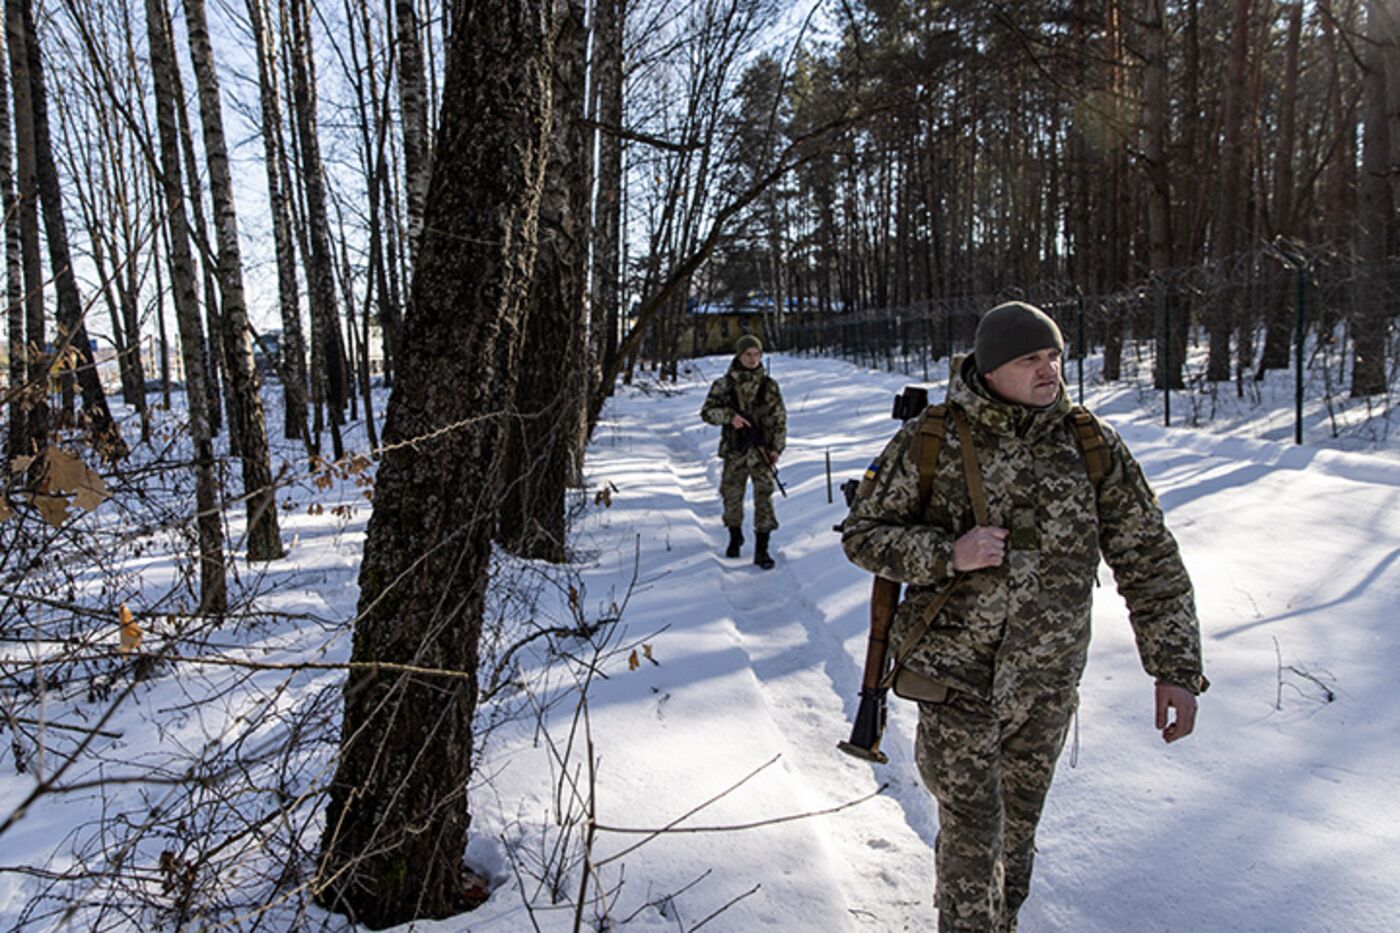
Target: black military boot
[
  {"x": 760, "y": 550},
  {"x": 736, "y": 541}
]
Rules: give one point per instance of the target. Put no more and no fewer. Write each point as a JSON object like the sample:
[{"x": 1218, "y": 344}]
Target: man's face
[
  {"x": 750, "y": 358},
  {"x": 1032, "y": 380}
]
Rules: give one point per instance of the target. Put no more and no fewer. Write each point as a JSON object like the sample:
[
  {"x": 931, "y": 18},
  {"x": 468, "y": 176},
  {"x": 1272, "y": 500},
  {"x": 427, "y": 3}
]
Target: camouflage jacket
[
  {"x": 743, "y": 384},
  {"x": 1022, "y": 629}
]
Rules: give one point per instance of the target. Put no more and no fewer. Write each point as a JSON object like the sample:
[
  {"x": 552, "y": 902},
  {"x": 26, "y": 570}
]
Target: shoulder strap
[
  {"x": 933, "y": 425},
  {"x": 933, "y": 428},
  {"x": 1092, "y": 446},
  {"x": 975, "y": 489}
]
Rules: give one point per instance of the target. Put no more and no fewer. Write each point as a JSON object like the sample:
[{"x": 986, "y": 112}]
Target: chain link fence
[{"x": 1279, "y": 321}]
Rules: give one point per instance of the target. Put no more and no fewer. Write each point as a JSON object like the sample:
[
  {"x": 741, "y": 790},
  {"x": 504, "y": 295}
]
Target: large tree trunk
[
  {"x": 320, "y": 267},
  {"x": 213, "y": 597},
  {"x": 607, "y": 213},
  {"x": 260, "y": 496},
  {"x": 1230, "y": 194},
  {"x": 17, "y": 443},
  {"x": 396, "y": 826},
  {"x": 106, "y": 436},
  {"x": 1171, "y": 333},
  {"x": 1277, "y": 332},
  {"x": 552, "y": 376},
  {"x": 292, "y": 348},
  {"x": 1374, "y": 216}
]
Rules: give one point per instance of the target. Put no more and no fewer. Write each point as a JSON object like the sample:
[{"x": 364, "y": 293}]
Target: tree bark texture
[
  {"x": 552, "y": 375},
  {"x": 607, "y": 214},
  {"x": 1230, "y": 192},
  {"x": 413, "y": 104},
  {"x": 260, "y": 496},
  {"x": 1171, "y": 329},
  {"x": 1374, "y": 218},
  {"x": 106, "y": 436},
  {"x": 396, "y": 826},
  {"x": 17, "y": 439},
  {"x": 208, "y": 511},
  {"x": 320, "y": 259},
  {"x": 292, "y": 349}
]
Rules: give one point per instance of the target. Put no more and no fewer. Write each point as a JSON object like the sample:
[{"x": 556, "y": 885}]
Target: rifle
[
  {"x": 869, "y": 726},
  {"x": 751, "y": 438}
]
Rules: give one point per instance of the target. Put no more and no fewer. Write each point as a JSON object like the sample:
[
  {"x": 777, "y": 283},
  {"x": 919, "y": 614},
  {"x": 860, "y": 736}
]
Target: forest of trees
[{"x": 499, "y": 207}]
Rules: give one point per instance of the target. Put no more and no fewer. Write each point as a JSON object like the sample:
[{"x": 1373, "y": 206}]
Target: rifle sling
[{"x": 976, "y": 491}]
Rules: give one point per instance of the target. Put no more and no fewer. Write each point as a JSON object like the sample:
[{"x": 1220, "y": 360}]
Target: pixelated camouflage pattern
[
  {"x": 738, "y": 470},
  {"x": 1023, "y": 628},
  {"x": 1012, "y": 640},
  {"x": 771, "y": 415},
  {"x": 990, "y": 771},
  {"x": 741, "y": 468}
]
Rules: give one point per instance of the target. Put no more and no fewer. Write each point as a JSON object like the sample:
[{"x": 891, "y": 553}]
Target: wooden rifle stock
[{"x": 869, "y": 726}]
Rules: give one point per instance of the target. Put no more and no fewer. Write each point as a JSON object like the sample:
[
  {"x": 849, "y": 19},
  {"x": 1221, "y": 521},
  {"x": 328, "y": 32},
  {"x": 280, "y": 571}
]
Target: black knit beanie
[{"x": 1012, "y": 330}]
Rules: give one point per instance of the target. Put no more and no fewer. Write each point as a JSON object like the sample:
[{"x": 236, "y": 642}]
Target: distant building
[{"x": 713, "y": 326}]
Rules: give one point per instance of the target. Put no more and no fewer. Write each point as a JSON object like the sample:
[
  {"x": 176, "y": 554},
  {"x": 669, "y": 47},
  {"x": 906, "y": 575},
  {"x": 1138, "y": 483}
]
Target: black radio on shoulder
[{"x": 910, "y": 403}]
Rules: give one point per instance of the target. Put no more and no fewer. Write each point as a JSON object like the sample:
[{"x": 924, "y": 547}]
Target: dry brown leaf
[
  {"x": 54, "y": 509},
  {"x": 20, "y": 464},
  {"x": 131, "y": 632},
  {"x": 573, "y": 597},
  {"x": 5, "y": 511},
  {"x": 632, "y": 662},
  {"x": 646, "y": 652},
  {"x": 92, "y": 493},
  {"x": 66, "y": 471}
]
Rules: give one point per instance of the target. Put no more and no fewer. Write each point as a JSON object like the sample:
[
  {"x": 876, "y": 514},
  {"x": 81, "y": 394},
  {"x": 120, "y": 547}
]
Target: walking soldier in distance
[
  {"x": 998, "y": 547},
  {"x": 747, "y": 405}
]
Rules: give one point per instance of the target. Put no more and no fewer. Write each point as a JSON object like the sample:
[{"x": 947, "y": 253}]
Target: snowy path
[
  {"x": 1268, "y": 819},
  {"x": 1280, "y": 814}
]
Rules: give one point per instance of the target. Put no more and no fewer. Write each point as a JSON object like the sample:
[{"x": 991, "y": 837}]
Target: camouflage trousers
[
  {"x": 738, "y": 470},
  {"x": 990, "y": 770}
]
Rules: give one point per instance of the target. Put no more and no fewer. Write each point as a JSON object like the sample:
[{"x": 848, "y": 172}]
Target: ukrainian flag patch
[{"x": 872, "y": 470}]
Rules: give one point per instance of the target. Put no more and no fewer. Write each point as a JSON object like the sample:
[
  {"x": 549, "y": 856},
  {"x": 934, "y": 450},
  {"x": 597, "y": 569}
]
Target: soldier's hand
[
  {"x": 1183, "y": 701},
  {"x": 739, "y": 421},
  {"x": 983, "y": 546},
  {"x": 773, "y": 455}
]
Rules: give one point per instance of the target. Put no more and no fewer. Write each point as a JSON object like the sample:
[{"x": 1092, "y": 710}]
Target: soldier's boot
[
  {"x": 760, "y": 550},
  {"x": 736, "y": 541}
]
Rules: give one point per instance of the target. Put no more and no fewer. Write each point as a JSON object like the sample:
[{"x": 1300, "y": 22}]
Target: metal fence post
[
  {"x": 1166, "y": 358},
  {"x": 1298, "y": 356},
  {"x": 1079, "y": 343}
]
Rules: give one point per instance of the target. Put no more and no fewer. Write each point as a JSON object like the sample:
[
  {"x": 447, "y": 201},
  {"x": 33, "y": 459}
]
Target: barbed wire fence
[{"x": 1283, "y": 309}]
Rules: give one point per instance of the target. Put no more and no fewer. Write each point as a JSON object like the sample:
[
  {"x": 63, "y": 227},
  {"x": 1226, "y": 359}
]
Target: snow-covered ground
[{"x": 723, "y": 689}]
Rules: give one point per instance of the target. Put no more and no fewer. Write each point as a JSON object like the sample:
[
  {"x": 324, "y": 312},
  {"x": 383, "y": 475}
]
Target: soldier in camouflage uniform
[
  {"x": 742, "y": 400},
  {"x": 1011, "y": 642}
]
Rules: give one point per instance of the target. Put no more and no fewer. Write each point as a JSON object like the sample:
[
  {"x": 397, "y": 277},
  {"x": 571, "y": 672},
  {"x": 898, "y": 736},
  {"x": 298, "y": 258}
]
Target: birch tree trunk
[
  {"x": 260, "y": 496},
  {"x": 321, "y": 260},
  {"x": 107, "y": 438},
  {"x": 413, "y": 103},
  {"x": 213, "y": 596},
  {"x": 293, "y": 344},
  {"x": 396, "y": 826}
]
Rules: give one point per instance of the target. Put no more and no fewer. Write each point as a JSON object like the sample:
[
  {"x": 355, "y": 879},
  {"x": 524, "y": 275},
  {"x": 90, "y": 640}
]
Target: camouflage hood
[{"x": 969, "y": 391}]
